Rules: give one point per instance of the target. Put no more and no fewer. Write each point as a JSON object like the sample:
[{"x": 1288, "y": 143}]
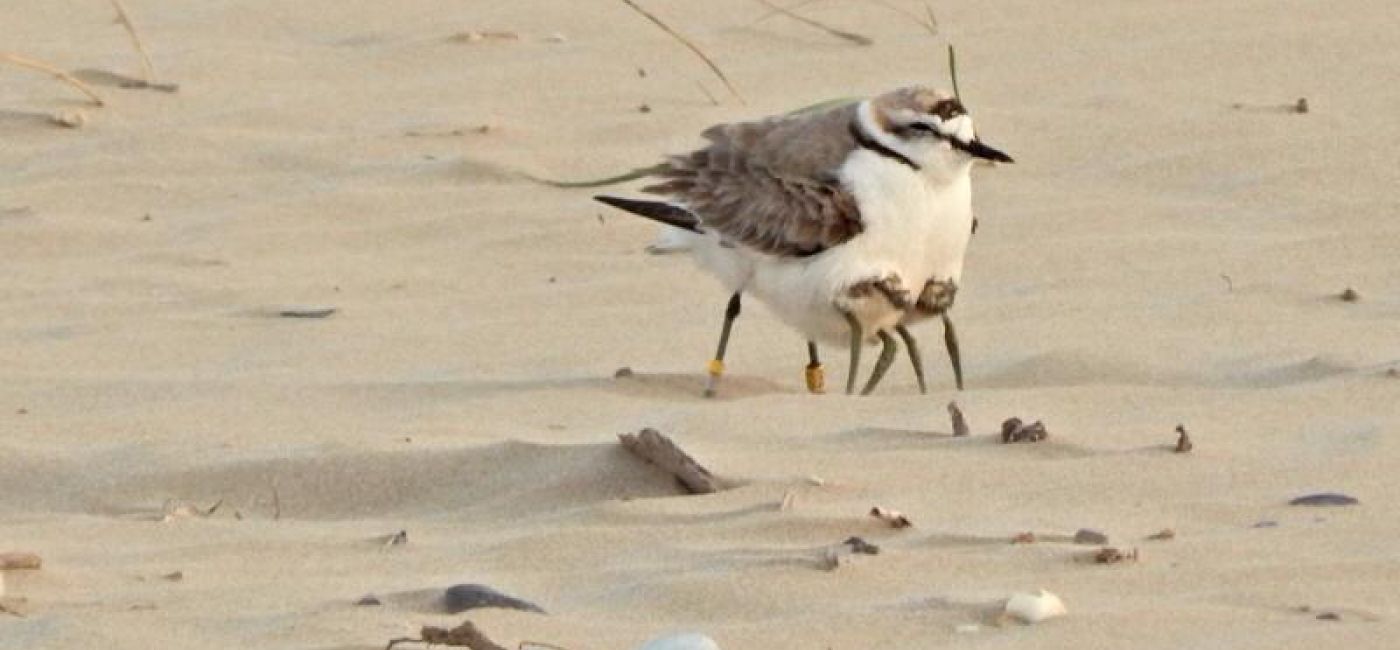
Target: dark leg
[
  {"x": 716, "y": 367},
  {"x": 882, "y": 365},
  {"x": 915, "y": 357},
  {"x": 816, "y": 376},
  {"x": 950, "y": 341},
  {"x": 857, "y": 339}
]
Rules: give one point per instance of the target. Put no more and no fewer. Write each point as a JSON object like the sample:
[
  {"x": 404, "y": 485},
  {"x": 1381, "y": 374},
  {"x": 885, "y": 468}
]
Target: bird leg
[
  {"x": 857, "y": 339},
  {"x": 816, "y": 376},
  {"x": 887, "y": 350},
  {"x": 915, "y": 357},
  {"x": 716, "y": 366},
  {"x": 950, "y": 341}
]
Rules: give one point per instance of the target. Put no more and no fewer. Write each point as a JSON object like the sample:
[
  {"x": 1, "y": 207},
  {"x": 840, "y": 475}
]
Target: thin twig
[
  {"x": 147, "y": 70},
  {"x": 714, "y": 101},
  {"x": 779, "y": 11},
  {"x": 55, "y": 72},
  {"x": 953, "y": 72},
  {"x": 691, "y": 46},
  {"x": 276, "y": 503},
  {"x": 931, "y": 24},
  {"x": 849, "y": 36},
  {"x": 640, "y": 172}
]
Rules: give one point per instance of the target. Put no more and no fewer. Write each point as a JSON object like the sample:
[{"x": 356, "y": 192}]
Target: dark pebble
[
  {"x": 369, "y": 600},
  {"x": 1325, "y": 499},
  {"x": 861, "y": 546},
  {"x": 460, "y": 598},
  {"x": 623, "y": 373},
  {"x": 1265, "y": 524},
  {"x": 1329, "y": 616}
]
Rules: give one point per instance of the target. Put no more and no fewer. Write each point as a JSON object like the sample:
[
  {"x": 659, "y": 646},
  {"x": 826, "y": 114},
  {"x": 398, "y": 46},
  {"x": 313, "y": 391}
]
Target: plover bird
[{"x": 829, "y": 217}]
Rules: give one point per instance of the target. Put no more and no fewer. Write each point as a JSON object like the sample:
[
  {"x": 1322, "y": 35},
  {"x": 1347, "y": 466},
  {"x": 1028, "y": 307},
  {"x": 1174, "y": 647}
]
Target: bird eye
[{"x": 921, "y": 126}]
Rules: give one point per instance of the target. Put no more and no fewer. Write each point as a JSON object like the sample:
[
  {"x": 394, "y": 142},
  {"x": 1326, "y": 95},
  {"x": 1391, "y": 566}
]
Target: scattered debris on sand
[
  {"x": 1110, "y": 555},
  {"x": 1090, "y": 536},
  {"x": 894, "y": 518},
  {"x": 1013, "y": 430},
  {"x": 465, "y": 635},
  {"x": 1162, "y": 535}
]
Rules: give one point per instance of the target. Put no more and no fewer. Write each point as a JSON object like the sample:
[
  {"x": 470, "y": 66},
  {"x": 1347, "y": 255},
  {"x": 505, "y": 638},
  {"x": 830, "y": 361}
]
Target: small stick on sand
[
  {"x": 844, "y": 35},
  {"x": 649, "y": 445},
  {"x": 148, "y": 73},
  {"x": 276, "y": 502},
  {"x": 691, "y": 46},
  {"x": 959, "y": 422},
  {"x": 54, "y": 72}
]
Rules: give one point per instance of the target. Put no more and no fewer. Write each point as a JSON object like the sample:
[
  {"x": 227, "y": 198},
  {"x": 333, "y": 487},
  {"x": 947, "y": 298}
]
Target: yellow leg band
[
  {"x": 716, "y": 367},
  {"x": 816, "y": 378}
]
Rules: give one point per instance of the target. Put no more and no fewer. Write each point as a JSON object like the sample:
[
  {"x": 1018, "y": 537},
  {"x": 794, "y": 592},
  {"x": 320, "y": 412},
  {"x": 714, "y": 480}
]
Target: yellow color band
[
  {"x": 816, "y": 378},
  {"x": 716, "y": 367}
]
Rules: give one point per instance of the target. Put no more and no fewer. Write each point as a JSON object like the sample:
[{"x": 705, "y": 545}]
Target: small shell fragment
[
  {"x": 1035, "y": 607},
  {"x": 687, "y": 641}
]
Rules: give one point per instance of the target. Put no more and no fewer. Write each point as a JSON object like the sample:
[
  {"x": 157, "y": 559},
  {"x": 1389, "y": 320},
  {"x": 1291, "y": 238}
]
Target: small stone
[
  {"x": 368, "y": 600},
  {"x": 72, "y": 119},
  {"x": 1301, "y": 106},
  {"x": 174, "y": 576},
  {"x": 460, "y": 598},
  {"x": 1090, "y": 536},
  {"x": 644, "y": 108},
  {"x": 861, "y": 546},
  {"x": 1163, "y": 535},
  {"x": 1393, "y": 373},
  {"x": 623, "y": 373},
  {"x": 1265, "y": 524},
  {"x": 1329, "y": 616},
  {"x": 1183, "y": 440},
  {"x": 1024, "y": 538},
  {"x": 397, "y": 539},
  {"x": 1325, "y": 499},
  {"x": 1349, "y": 295},
  {"x": 688, "y": 641},
  {"x": 556, "y": 37},
  {"x": 960, "y": 428}
]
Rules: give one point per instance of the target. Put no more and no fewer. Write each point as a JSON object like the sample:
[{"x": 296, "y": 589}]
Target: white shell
[
  {"x": 1035, "y": 607},
  {"x": 688, "y": 641}
]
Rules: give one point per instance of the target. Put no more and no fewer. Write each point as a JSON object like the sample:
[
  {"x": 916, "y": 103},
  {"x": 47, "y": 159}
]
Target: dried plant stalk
[
  {"x": 841, "y": 34},
  {"x": 40, "y": 66},
  {"x": 689, "y": 45},
  {"x": 148, "y": 73}
]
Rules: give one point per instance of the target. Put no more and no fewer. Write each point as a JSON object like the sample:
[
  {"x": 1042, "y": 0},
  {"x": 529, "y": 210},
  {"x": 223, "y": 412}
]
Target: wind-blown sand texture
[{"x": 1159, "y": 255}]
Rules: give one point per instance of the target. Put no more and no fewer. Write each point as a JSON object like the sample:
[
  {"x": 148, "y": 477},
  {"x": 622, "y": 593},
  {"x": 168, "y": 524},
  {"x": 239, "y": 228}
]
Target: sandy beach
[{"x": 1170, "y": 249}]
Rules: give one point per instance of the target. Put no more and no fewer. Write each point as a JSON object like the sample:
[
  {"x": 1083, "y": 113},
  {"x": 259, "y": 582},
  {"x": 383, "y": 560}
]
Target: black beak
[{"x": 978, "y": 150}]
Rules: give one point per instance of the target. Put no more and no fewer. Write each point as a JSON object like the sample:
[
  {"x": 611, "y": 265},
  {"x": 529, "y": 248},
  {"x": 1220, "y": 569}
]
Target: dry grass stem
[
  {"x": 953, "y": 71},
  {"x": 148, "y": 73},
  {"x": 930, "y": 24},
  {"x": 689, "y": 45},
  {"x": 838, "y": 33},
  {"x": 40, "y": 66}
]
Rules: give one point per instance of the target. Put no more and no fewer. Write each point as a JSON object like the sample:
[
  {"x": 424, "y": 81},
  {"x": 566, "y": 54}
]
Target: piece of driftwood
[
  {"x": 15, "y": 561},
  {"x": 463, "y": 636},
  {"x": 648, "y": 444}
]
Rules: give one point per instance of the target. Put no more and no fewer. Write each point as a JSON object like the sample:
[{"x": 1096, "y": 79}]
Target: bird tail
[{"x": 667, "y": 213}]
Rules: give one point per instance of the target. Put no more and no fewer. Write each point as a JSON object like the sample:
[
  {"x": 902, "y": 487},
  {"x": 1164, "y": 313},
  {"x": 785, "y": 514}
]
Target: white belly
[{"x": 912, "y": 230}]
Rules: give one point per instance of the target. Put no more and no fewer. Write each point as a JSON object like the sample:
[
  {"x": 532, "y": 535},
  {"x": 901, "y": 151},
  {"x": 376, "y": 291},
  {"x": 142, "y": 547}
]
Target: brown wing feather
[{"x": 771, "y": 185}]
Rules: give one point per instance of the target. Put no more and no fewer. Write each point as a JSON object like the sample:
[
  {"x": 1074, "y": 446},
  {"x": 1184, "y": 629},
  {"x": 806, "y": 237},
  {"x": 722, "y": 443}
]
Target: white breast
[{"x": 913, "y": 229}]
